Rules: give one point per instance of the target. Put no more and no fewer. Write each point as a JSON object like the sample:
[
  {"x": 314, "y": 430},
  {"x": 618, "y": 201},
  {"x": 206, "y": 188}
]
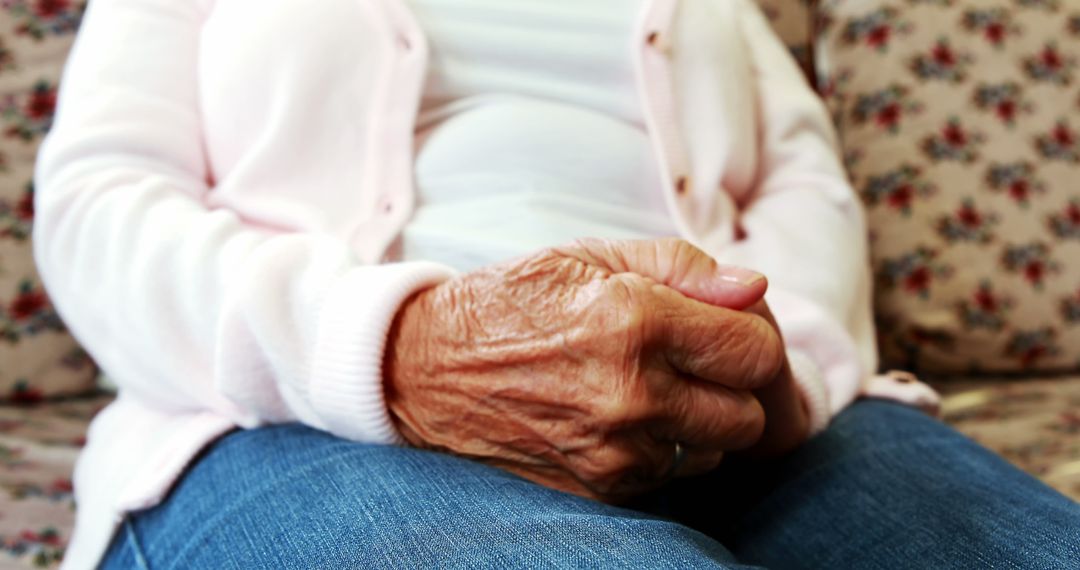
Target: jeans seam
[{"x": 136, "y": 548}]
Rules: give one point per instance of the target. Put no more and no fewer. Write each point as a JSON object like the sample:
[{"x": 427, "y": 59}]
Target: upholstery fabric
[
  {"x": 792, "y": 21},
  {"x": 38, "y": 358},
  {"x": 38, "y": 447},
  {"x": 960, "y": 128}
]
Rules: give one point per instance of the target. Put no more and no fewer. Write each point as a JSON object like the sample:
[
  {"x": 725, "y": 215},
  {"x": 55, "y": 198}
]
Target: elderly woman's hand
[{"x": 580, "y": 367}]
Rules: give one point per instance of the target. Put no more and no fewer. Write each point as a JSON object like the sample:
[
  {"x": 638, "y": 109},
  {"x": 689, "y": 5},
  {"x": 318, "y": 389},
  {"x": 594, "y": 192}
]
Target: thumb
[{"x": 676, "y": 264}]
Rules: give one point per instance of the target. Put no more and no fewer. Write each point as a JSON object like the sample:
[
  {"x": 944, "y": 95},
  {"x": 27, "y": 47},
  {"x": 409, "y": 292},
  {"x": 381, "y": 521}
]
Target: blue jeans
[{"x": 883, "y": 487}]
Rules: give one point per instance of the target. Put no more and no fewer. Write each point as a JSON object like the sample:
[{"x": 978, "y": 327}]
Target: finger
[
  {"x": 676, "y": 264},
  {"x": 733, "y": 348},
  {"x": 761, "y": 309},
  {"x": 787, "y": 423},
  {"x": 707, "y": 416},
  {"x": 649, "y": 462}
]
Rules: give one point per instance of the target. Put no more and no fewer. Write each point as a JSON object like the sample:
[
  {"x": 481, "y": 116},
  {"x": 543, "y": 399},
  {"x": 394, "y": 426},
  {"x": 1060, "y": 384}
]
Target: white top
[{"x": 531, "y": 131}]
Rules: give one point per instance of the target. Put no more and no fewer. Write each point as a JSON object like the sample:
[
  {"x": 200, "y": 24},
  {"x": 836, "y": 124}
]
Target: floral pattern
[
  {"x": 875, "y": 30},
  {"x": 1059, "y": 143},
  {"x": 40, "y": 19},
  {"x": 16, "y": 216},
  {"x": 967, "y": 223},
  {"x": 1066, "y": 224},
  {"x": 986, "y": 309},
  {"x": 1070, "y": 308},
  {"x": 913, "y": 273},
  {"x": 1031, "y": 422},
  {"x": 1049, "y": 64},
  {"x": 29, "y": 116},
  {"x": 1016, "y": 179},
  {"x": 38, "y": 358},
  {"x": 43, "y": 547},
  {"x": 1004, "y": 100},
  {"x": 953, "y": 142},
  {"x": 1031, "y": 260},
  {"x": 1027, "y": 347},
  {"x": 40, "y": 442},
  {"x": 884, "y": 108},
  {"x": 898, "y": 189},
  {"x": 7, "y": 58},
  {"x": 995, "y": 25},
  {"x": 941, "y": 62},
  {"x": 28, "y": 313},
  {"x": 958, "y": 124}
]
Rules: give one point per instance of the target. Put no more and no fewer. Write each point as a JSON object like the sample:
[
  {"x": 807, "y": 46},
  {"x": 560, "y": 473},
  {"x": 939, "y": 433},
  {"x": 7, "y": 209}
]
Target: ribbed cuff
[
  {"x": 346, "y": 387},
  {"x": 811, "y": 384},
  {"x": 903, "y": 387}
]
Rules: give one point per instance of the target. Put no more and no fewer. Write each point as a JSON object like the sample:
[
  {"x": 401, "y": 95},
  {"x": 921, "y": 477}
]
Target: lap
[
  {"x": 884, "y": 486},
  {"x": 888, "y": 487},
  {"x": 293, "y": 497}
]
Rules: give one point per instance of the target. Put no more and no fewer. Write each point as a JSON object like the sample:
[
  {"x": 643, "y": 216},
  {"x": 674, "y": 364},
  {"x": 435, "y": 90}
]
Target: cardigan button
[
  {"x": 682, "y": 184},
  {"x": 659, "y": 42}
]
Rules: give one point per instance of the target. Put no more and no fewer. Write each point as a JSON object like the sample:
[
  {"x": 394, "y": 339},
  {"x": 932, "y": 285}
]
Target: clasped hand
[{"x": 579, "y": 367}]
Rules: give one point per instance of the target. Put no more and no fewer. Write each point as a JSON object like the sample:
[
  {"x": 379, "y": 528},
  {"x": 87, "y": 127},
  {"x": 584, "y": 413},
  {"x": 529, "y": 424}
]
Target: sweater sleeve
[
  {"x": 805, "y": 228},
  {"x": 190, "y": 308}
]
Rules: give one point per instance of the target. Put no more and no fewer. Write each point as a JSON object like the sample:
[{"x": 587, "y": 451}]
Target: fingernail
[{"x": 742, "y": 276}]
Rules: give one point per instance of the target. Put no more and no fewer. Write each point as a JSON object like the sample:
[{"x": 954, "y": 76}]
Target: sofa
[{"x": 1006, "y": 366}]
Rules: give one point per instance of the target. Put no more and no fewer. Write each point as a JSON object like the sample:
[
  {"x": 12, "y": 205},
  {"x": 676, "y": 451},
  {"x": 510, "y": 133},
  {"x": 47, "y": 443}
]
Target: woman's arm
[
  {"x": 188, "y": 308},
  {"x": 805, "y": 226}
]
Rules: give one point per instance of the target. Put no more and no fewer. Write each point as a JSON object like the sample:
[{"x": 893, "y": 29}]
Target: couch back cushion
[
  {"x": 792, "y": 20},
  {"x": 960, "y": 124},
  {"x": 38, "y": 358}
]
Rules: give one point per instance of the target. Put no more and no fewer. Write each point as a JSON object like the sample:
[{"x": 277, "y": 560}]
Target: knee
[{"x": 870, "y": 422}]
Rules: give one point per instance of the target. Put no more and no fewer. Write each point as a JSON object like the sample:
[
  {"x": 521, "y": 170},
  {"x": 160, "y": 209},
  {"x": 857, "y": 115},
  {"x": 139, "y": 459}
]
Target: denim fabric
[{"x": 883, "y": 487}]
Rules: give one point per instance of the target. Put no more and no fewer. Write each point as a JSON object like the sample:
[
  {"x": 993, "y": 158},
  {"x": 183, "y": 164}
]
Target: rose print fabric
[
  {"x": 39, "y": 444},
  {"x": 960, "y": 123},
  {"x": 38, "y": 358}
]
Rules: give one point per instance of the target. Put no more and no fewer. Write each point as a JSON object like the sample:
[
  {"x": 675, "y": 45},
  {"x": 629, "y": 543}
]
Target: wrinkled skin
[{"x": 579, "y": 367}]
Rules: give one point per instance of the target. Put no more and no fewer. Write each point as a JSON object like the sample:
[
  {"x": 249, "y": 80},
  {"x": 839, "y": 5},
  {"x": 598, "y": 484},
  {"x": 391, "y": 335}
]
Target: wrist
[{"x": 399, "y": 361}]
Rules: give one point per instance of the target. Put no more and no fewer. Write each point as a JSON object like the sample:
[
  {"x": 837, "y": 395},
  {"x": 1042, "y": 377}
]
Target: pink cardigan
[{"x": 225, "y": 180}]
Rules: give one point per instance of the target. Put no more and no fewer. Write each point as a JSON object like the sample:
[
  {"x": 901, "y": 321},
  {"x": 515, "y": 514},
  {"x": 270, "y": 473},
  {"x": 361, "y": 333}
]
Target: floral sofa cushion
[
  {"x": 38, "y": 358},
  {"x": 960, "y": 123},
  {"x": 38, "y": 448},
  {"x": 792, "y": 21}
]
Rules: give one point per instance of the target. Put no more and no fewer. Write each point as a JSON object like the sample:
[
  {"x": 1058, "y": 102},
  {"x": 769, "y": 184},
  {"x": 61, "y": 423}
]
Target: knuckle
[
  {"x": 683, "y": 255},
  {"x": 604, "y": 471},
  {"x": 763, "y": 353},
  {"x": 747, "y": 423},
  {"x": 628, "y": 405},
  {"x": 686, "y": 251},
  {"x": 771, "y": 353},
  {"x": 628, "y": 304}
]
